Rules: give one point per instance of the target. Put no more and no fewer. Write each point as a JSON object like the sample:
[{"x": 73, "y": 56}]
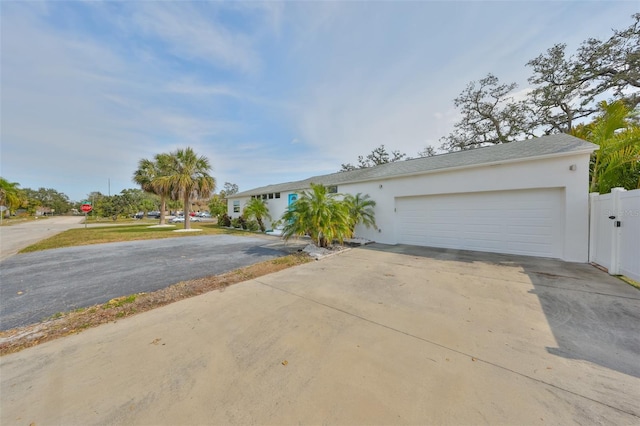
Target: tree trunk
[
  {"x": 163, "y": 207},
  {"x": 187, "y": 221}
]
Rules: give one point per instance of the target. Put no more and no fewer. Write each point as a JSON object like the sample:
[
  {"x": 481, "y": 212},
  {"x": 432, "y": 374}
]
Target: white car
[{"x": 180, "y": 219}]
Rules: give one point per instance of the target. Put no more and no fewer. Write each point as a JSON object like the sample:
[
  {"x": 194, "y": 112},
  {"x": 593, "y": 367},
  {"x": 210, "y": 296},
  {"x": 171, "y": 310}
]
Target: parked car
[
  {"x": 204, "y": 214},
  {"x": 180, "y": 219},
  {"x": 154, "y": 214},
  {"x": 138, "y": 215}
]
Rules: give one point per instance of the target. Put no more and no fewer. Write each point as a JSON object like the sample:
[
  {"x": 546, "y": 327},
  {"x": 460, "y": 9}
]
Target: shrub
[
  {"x": 242, "y": 221},
  {"x": 257, "y": 209},
  {"x": 252, "y": 225},
  {"x": 224, "y": 220},
  {"x": 320, "y": 214},
  {"x": 235, "y": 222}
]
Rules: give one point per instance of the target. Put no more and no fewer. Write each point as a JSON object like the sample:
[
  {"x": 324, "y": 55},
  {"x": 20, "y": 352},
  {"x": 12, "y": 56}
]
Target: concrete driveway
[
  {"x": 14, "y": 238},
  {"x": 381, "y": 335}
]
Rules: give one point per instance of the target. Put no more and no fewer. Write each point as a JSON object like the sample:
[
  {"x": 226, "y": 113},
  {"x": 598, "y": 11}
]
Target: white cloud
[
  {"x": 522, "y": 94},
  {"x": 268, "y": 91},
  {"x": 192, "y": 31},
  {"x": 79, "y": 107},
  {"x": 270, "y": 14},
  {"x": 396, "y": 86},
  {"x": 194, "y": 89}
]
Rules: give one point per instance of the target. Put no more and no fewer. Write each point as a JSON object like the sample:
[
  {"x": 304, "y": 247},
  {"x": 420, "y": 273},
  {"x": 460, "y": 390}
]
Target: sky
[{"x": 269, "y": 92}]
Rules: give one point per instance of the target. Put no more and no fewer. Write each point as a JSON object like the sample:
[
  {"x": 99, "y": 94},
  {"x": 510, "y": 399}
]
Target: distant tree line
[
  {"x": 32, "y": 201},
  {"x": 174, "y": 181}
]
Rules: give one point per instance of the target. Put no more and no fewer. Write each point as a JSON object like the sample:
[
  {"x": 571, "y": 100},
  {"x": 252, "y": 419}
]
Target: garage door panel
[
  {"x": 444, "y": 219},
  {"x": 520, "y": 222},
  {"x": 534, "y": 244},
  {"x": 534, "y": 230},
  {"x": 530, "y": 222},
  {"x": 445, "y": 229},
  {"x": 481, "y": 216},
  {"x": 531, "y": 214},
  {"x": 478, "y": 235},
  {"x": 489, "y": 231},
  {"x": 475, "y": 222},
  {"x": 445, "y": 215},
  {"x": 443, "y": 242},
  {"x": 528, "y": 244},
  {"x": 526, "y": 248}
]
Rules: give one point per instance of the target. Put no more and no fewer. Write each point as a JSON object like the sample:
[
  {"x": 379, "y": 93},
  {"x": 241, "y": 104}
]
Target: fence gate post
[
  {"x": 614, "y": 268},
  {"x": 593, "y": 226}
]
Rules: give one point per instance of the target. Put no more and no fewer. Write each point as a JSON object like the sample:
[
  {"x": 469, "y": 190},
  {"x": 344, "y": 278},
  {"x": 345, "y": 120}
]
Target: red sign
[{"x": 86, "y": 208}]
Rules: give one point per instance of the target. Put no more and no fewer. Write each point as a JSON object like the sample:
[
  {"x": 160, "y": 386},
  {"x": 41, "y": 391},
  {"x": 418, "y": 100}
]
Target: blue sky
[{"x": 268, "y": 91}]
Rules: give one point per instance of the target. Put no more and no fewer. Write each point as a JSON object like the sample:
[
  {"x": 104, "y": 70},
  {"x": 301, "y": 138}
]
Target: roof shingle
[{"x": 521, "y": 150}]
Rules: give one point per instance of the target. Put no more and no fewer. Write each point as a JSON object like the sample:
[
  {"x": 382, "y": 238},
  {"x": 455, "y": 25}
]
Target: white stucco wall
[
  {"x": 553, "y": 172},
  {"x": 277, "y": 207},
  {"x": 544, "y": 173}
]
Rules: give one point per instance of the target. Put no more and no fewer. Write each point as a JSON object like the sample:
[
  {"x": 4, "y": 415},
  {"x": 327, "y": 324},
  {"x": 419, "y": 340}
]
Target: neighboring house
[
  {"x": 43, "y": 211},
  {"x": 528, "y": 197}
]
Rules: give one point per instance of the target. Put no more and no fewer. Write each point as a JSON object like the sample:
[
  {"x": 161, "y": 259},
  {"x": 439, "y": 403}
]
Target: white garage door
[{"x": 528, "y": 222}]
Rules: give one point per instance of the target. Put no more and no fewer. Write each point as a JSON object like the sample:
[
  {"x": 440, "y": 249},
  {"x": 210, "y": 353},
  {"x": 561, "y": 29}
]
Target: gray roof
[{"x": 522, "y": 150}]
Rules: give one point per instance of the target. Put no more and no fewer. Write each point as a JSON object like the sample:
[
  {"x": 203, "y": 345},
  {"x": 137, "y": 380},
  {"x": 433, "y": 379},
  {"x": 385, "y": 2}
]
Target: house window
[
  {"x": 271, "y": 196},
  {"x": 277, "y": 195},
  {"x": 264, "y": 196},
  {"x": 236, "y": 206},
  {"x": 332, "y": 189}
]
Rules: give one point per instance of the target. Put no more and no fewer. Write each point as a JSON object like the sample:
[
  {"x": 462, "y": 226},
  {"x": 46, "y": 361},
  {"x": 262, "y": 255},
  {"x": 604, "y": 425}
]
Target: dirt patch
[{"x": 64, "y": 324}]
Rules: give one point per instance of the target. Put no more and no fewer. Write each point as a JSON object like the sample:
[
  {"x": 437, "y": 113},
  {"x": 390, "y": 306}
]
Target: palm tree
[
  {"x": 257, "y": 208},
  {"x": 148, "y": 177},
  {"x": 188, "y": 177},
  {"x": 320, "y": 215},
  {"x": 617, "y": 162},
  {"x": 10, "y": 195},
  {"x": 361, "y": 210}
]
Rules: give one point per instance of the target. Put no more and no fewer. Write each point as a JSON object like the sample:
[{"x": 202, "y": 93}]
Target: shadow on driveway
[{"x": 593, "y": 316}]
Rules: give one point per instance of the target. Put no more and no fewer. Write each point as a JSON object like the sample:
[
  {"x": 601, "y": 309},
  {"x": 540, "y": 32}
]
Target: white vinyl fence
[{"x": 614, "y": 237}]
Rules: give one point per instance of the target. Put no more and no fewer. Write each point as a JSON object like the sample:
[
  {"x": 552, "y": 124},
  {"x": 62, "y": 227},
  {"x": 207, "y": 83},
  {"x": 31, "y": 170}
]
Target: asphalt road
[{"x": 38, "y": 285}]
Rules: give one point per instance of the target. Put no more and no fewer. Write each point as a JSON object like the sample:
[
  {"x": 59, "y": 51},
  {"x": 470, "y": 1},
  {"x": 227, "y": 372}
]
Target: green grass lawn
[
  {"x": 13, "y": 220},
  {"x": 125, "y": 232}
]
